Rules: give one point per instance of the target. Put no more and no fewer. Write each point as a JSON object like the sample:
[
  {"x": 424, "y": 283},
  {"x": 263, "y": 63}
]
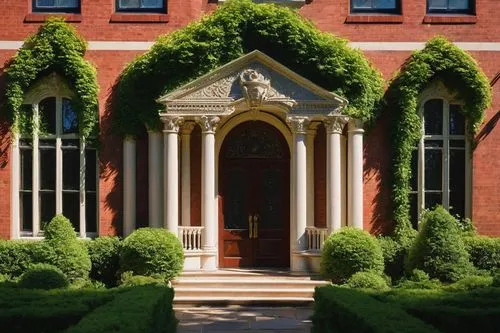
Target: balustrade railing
[
  {"x": 190, "y": 238},
  {"x": 315, "y": 238}
]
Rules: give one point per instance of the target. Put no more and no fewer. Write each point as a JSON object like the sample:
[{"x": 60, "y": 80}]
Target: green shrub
[
  {"x": 129, "y": 280},
  {"x": 145, "y": 309},
  {"x": 104, "y": 255},
  {"x": 484, "y": 252},
  {"x": 496, "y": 280},
  {"x": 439, "y": 249},
  {"x": 17, "y": 256},
  {"x": 367, "y": 280},
  {"x": 418, "y": 275},
  {"x": 43, "y": 276},
  {"x": 395, "y": 254},
  {"x": 351, "y": 311},
  {"x": 62, "y": 249},
  {"x": 471, "y": 282},
  {"x": 151, "y": 252},
  {"x": 349, "y": 251}
]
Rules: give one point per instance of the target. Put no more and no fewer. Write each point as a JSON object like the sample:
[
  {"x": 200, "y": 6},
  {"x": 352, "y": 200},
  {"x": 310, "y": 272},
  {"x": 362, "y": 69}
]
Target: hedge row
[
  {"x": 346, "y": 310},
  {"x": 33, "y": 311},
  {"x": 484, "y": 252},
  {"x": 139, "y": 309}
]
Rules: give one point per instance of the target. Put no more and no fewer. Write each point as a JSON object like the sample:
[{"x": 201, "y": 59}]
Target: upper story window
[
  {"x": 62, "y": 6},
  {"x": 450, "y": 6},
  {"x": 376, "y": 6},
  {"x": 441, "y": 164},
  {"x": 147, "y": 6}
]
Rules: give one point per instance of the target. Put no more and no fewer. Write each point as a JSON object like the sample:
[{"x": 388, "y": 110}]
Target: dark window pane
[
  {"x": 457, "y": 143},
  {"x": 438, "y": 4},
  {"x": 457, "y": 121},
  {"x": 25, "y": 143},
  {"x": 433, "y": 143},
  {"x": 433, "y": 117},
  {"x": 26, "y": 210},
  {"x": 71, "y": 143},
  {"x": 457, "y": 170},
  {"x": 433, "y": 169},
  {"x": 47, "y": 207},
  {"x": 91, "y": 212},
  {"x": 49, "y": 143},
  {"x": 384, "y": 4},
  {"x": 47, "y": 169},
  {"x": 362, "y": 4},
  {"x": 71, "y": 208},
  {"x": 235, "y": 199},
  {"x": 90, "y": 170},
  {"x": 414, "y": 170},
  {"x": 457, "y": 203},
  {"x": 458, "y": 4},
  {"x": 69, "y": 117},
  {"x": 57, "y": 3},
  {"x": 414, "y": 210},
  {"x": 47, "y": 114},
  {"x": 152, "y": 3},
  {"x": 71, "y": 169},
  {"x": 432, "y": 200},
  {"x": 140, "y": 4},
  {"x": 26, "y": 169}
]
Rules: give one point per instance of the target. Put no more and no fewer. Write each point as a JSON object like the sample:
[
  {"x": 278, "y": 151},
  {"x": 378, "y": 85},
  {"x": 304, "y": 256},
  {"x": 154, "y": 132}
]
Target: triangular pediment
[{"x": 252, "y": 81}]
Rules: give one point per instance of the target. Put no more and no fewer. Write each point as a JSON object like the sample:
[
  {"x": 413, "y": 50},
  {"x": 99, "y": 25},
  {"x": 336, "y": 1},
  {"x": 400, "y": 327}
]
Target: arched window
[
  {"x": 57, "y": 169},
  {"x": 441, "y": 162}
]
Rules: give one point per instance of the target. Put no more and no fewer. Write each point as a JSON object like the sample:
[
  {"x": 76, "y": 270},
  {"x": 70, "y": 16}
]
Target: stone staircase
[{"x": 249, "y": 287}]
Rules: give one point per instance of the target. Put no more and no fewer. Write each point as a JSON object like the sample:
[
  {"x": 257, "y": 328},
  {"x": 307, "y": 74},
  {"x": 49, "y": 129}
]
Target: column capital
[
  {"x": 128, "y": 138},
  {"x": 313, "y": 128},
  {"x": 172, "y": 124},
  {"x": 335, "y": 125},
  {"x": 187, "y": 127},
  {"x": 208, "y": 123},
  {"x": 355, "y": 126},
  {"x": 298, "y": 124}
]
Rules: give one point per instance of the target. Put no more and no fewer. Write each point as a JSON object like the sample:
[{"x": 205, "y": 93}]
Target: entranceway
[{"x": 254, "y": 176}]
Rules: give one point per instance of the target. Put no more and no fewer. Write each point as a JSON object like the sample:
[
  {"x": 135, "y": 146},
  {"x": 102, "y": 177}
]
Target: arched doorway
[{"x": 254, "y": 187}]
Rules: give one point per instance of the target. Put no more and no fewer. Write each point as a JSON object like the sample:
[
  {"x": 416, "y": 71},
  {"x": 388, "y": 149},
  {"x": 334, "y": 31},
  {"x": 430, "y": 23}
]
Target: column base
[
  {"x": 209, "y": 259},
  {"x": 305, "y": 261}
]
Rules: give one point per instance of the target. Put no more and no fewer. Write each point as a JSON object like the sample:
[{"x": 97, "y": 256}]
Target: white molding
[
  {"x": 15, "y": 185},
  {"x": 364, "y": 46}
]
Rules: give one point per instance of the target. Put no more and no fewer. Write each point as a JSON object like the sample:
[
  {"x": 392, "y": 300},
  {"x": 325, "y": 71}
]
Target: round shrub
[
  {"x": 471, "y": 282},
  {"x": 130, "y": 280},
  {"x": 43, "y": 276},
  {"x": 62, "y": 249},
  {"x": 367, "y": 280},
  {"x": 484, "y": 252},
  {"x": 350, "y": 251},
  {"x": 152, "y": 251},
  {"x": 418, "y": 275},
  {"x": 439, "y": 249},
  {"x": 103, "y": 252},
  {"x": 496, "y": 279}
]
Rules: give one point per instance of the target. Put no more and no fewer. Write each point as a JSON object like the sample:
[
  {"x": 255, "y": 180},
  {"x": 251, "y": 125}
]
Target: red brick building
[{"x": 386, "y": 31}]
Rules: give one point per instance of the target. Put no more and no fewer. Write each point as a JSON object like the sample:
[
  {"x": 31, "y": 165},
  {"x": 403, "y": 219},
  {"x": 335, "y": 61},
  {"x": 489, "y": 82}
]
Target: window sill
[
  {"x": 42, "y": 17},
  {"x": 451, "y": 19},
  {"x": 374, "y": 19},
  {"x": 139, "y": 18}
]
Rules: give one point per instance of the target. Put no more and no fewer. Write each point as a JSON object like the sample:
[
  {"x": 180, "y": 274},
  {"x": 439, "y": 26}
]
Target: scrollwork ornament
[
  {"x": 255, "y": 86},
  {"x": 298, "y": 125},
  {"x": 172, "y": 124},
  {"x": 335, "y": 125},
  {"x": 208, "y": 123}
]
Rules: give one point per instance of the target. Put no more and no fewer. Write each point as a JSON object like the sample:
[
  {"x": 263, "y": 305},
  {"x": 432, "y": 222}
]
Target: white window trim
[
  {"x": 437, "y": 90},
  {"x": 51, "y": 86}
]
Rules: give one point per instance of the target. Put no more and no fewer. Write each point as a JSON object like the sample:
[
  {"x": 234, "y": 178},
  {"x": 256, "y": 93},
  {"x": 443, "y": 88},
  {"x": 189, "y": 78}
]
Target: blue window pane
[
  {"x": 152, "y": 3},
  {"x": 70, "y": 117},
  {"x": 438, "y": 4},
  {"x": 130, "y": 3},
  {"x": 433, "y": 117},
  {"x": 57, "y": 3},
  {"x": 362, "y": 4},
  {"x": 457, "y": 121},
  {"x": 458, "y": 4},
  {"x": 384, "y": 4}
]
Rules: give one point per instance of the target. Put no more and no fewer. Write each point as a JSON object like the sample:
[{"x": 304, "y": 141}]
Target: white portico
[{"x": 257, "y": 120}]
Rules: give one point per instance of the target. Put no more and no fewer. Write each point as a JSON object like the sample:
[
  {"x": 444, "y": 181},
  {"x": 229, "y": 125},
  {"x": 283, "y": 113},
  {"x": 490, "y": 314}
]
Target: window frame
[
  {"x": 396, "y": 10},
  {"x": 439, "y": 91},
  {"x": 158, "y": 10},
  {"x": 50, "y": 86},
  {"x": 37, "y": 9},
  {"x": 469, "y": 11}
]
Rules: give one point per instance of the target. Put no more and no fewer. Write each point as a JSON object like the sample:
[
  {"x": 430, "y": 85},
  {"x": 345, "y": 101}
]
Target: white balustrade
[
  {"x": 190, "y": 237},
  {"x": 316, "y": 238}
]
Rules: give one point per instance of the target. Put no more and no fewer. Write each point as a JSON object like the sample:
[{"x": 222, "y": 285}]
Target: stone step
[
  {"x": 243, "y": 292},
  {"x": 247, "y": 283},
  {"x": 240, "y": 300}
]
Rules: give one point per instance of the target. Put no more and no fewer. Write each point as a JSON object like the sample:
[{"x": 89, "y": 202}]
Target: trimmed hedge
[
  {"x": 16, "y": 256},
  {"x": 43, "y": 276},
  {"x": 104, "y": 255},
  {"x": 152, "y": 252},
  {"x": 367, "y": 280},
  {"x": 484, "y": 252},
  {"x": 145, "y": 309},
  {"x": 349, "y": 251},
  {"x": 347, "y": 310}
]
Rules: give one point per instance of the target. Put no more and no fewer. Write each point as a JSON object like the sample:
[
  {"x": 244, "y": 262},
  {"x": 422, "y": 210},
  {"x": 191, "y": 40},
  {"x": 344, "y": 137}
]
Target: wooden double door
[{"x": 255, "y": 196}]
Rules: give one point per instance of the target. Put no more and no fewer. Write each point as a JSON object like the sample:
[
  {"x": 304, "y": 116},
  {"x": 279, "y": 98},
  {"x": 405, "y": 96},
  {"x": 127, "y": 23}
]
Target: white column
[
  {"x": 59, "y": 159},
  {"x": 355, "y": 187},
  {"x": 171, "y": 175},
  {"x": 299, "y": 179},
  {"x": 208, "y": 195},
  {"x": 186, "y": 173},
  {"x": 155, "y": 178},
  {"x": 311, "y": 134},
  {"x": 83, "y": 224},
  {"x": 344, "y": 177},
  {"x": 36, "y": 174},
  {"x": 15, "y": 169},
  {"x": 129, "y": 184},
  {"x": 334, "y": 127}
]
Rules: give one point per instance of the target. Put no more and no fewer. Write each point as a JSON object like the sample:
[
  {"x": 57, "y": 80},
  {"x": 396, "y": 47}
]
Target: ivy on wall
[
  {"x": 439, "y": 60},
  {"x": 236, "y": 28},
  {"x": 56, "y": 47}
]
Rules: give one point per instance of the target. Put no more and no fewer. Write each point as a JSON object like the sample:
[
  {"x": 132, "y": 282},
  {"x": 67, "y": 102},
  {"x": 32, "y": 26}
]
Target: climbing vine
[
  {"x": 56, "y": 47},
  {"x": 439, "y": 60},
  {"x": 236, "y": 28}
]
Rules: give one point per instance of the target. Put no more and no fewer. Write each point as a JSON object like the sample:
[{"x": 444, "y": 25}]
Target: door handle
[
  {"x": 250, "y": 226},
  {"x": 256, "y": 219}
]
